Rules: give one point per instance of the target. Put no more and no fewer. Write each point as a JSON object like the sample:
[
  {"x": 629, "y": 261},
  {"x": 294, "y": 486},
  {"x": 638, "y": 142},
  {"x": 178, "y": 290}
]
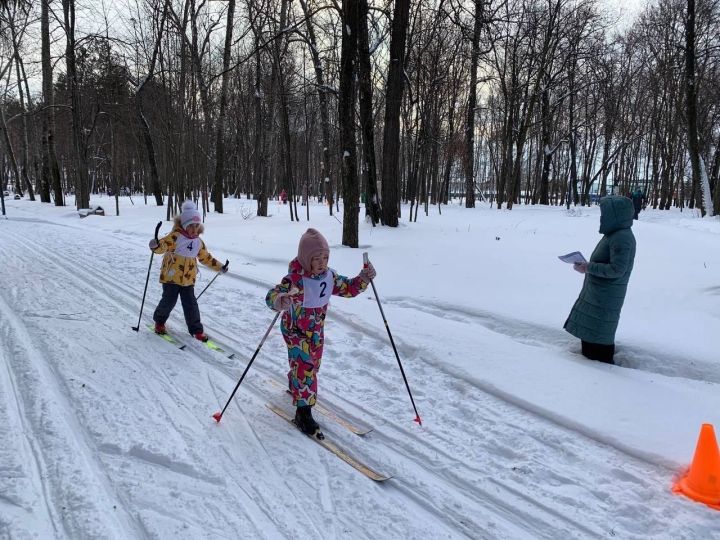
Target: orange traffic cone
[{"x": 702, "y": 481}]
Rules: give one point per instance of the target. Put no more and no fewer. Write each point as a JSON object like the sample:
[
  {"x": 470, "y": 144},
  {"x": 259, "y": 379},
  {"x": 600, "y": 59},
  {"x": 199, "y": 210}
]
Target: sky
[
  {"x": 94, "y": 16},
  {"x": 107, "y": 432}
]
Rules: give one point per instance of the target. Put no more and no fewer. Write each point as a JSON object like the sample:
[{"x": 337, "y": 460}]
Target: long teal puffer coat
[{"x": 595, "y": 315}]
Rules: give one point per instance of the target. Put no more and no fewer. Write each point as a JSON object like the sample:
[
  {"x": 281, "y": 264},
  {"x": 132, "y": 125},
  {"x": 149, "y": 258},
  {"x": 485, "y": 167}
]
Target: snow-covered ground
[{"x": 107, "y": 433}]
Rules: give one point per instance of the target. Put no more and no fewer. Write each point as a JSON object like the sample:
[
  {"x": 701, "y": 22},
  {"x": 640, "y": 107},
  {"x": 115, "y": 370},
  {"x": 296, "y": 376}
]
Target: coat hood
[
  {"x": 295, "y": 267},
  {"x": 616, "y": 212}
]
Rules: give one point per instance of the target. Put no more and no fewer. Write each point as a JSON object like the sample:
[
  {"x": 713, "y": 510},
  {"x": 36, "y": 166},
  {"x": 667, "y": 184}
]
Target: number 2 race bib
[{"x": 317, "y": 292}]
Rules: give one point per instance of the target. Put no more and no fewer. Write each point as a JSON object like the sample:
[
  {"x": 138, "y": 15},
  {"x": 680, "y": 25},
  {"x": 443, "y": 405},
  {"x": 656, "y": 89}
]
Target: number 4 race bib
[
  {"x": 317, "y": 292},
  {"x": 187, "y": 247}
]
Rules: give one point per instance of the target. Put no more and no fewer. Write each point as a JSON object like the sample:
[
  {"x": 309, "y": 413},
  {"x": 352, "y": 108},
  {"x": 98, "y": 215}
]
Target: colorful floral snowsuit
[{"x": 303, "y": 327}]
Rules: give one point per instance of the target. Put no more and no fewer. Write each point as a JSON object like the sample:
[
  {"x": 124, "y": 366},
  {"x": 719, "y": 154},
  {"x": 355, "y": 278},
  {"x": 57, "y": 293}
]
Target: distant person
[
  {"x": 303, "y": 296},
  {"x": 283, "y": 196},
  {"x": 183, "y": 248},
  {"x": 594, "y": 317},
  {"x": 638, "y": 200}
]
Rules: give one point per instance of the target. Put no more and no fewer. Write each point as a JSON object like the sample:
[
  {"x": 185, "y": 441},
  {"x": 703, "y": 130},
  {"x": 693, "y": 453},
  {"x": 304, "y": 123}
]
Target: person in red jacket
[{"x": 303, "y": 296}]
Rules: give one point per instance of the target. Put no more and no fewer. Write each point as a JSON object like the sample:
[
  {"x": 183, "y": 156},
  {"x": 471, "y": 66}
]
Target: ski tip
[
  {"x": 418, "y": 419},
  {"x": 217, "y": 416}
]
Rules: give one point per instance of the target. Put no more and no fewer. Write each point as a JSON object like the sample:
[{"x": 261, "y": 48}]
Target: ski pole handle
[
  {"x": 366, "y": 259},
  {"x": 157, "y": 229}
]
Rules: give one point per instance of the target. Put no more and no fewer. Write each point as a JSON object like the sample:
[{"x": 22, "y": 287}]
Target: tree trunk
[
  {"x": 50, "y": 169},
  {"x": 393, "y": 98},
  {"x": 278, "y": 79},
  {"x": 546, "y": 152},
  {"x": 24, "y": 143},
  {"x": 572, "y": 186},
  {"x": 218, "y": 184},
  {"x": 372, "y": 206},
  {"x": 346, "y": 118},
  {"x": 156, "y": 186},
  {"x": 700, "y": 182},
  {"x": 326, "y": 162},
  {"x": 472, "y": 104},
  {"x": 259, "y": 173},
  {"x": 82, "y": 194},
  {"x": 11, "y": 152}
]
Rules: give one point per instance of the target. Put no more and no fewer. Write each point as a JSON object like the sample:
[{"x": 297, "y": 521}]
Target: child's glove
[
  {"x": 153, "y": 244},
  {"x": 283, "y": 302},
  {"x": 224, "y": 267},
  {"x": 368, "y": 273}
]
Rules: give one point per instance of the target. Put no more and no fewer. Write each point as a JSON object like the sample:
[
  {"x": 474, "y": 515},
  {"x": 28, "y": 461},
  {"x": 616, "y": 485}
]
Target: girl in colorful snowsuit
[
  {"x": 183, "y": 248},
  {"x": 303, "y": 296}
]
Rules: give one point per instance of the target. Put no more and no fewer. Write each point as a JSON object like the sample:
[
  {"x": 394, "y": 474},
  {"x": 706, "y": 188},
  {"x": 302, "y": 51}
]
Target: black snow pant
[
  {"x": 189, "y": 305},
  {"x": 597, "y": 351}
]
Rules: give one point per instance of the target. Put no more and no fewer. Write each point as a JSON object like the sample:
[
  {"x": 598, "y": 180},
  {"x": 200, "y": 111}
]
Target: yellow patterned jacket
[{"x": 178, "y": 269}]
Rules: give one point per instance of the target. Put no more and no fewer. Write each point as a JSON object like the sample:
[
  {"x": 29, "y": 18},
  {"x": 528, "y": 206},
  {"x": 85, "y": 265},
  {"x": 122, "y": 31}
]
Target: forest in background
[{"x": 374, "y": 103}]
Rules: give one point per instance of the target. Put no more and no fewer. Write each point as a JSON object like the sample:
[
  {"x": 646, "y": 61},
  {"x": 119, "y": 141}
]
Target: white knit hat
[{"x": 189, "y": 214}]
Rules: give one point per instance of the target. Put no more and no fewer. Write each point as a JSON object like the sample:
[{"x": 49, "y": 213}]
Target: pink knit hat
[{"x": 312, "y": 243}]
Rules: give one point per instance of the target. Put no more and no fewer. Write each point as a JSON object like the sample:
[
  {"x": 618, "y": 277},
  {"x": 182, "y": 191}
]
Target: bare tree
[
  {"x": 323, "y": 92},
  {"x": 469, "y": 160},
  {"x": 365, "y": 91},
  {"x": 50, "y": 169},
  {"x": 218, "y": 184},
  {"x": 82, "y": 185},
  {"x": 17, "y": 28},
  {"x": 393, "y": 100},
  {"x": 699, "y": 174},
  {"x": 346, "y": 115}
]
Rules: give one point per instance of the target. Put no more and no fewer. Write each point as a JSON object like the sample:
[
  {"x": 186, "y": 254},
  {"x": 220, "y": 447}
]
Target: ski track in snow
[
  {"x": 497, "y": 486},
  {"x": 140, "y": 454},
  {"x": 538, "y": 335},
  {"x": 47, "y": 431}
]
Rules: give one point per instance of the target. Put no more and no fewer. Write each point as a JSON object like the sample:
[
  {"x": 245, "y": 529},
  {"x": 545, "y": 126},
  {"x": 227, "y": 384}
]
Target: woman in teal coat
[{"x": 596, "y": 313}]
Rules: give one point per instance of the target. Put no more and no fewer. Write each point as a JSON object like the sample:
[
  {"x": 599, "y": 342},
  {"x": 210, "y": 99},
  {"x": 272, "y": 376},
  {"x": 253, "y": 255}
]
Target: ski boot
[
  {"x": 201, "y": 336},
  {"x": 160, "y": 328},
  {"x": 306, "y": 423}
]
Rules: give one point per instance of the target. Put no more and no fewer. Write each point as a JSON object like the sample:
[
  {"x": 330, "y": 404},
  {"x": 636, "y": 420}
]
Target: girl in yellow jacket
[{"x": 183, "y": 248}]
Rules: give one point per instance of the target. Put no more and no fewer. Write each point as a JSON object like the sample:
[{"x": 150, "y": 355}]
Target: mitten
[
  {"x": 283, "y": 302},
  {"x": 153, "y": 244},
  {"x": 225, "y": 267},
  {"x": 368, "y": 273}
]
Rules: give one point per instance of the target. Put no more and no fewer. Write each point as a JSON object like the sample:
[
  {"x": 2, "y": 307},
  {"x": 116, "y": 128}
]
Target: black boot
[{"x": 306, "y": 423}]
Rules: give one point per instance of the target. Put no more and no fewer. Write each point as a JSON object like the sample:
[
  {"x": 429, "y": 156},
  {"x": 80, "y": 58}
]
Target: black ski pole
[
  {"x": 392, "y": 342},
  {"x": 213, "y": 279},
  {"x": 218, "y": 415},
  {"x": 152, "y": 253}
]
